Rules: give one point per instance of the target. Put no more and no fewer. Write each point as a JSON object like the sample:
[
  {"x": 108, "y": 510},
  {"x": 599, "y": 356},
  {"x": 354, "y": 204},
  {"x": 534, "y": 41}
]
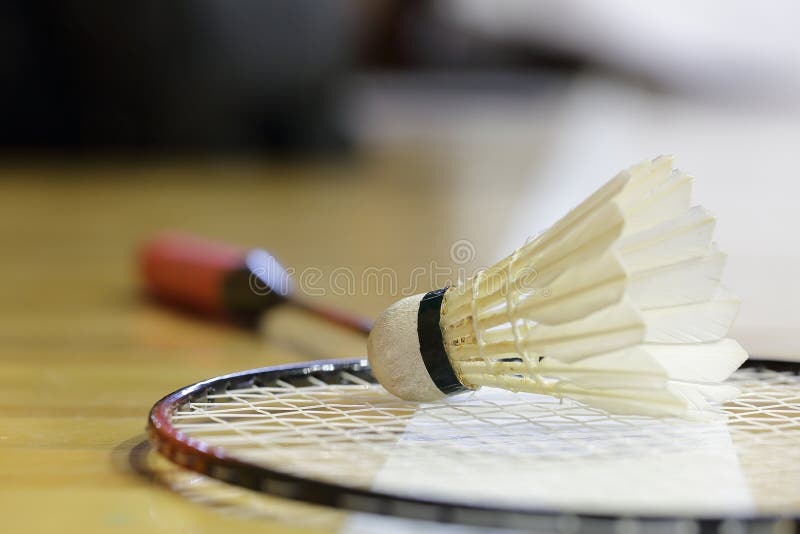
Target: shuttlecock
[{"x": 618, "y": 305}]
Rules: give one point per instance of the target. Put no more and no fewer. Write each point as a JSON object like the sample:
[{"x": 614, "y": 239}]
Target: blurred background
[
  {"x": 416, "y": 136},
  {"x": 378, "y": 133}
]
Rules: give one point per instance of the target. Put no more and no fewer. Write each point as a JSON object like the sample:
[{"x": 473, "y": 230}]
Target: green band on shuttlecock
[{"x": 431, "y": 344}]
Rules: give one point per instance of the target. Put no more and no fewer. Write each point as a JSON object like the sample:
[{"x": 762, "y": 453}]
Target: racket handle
[
  {"x": 223, "y": 280},
  {"x": 208, "y": 277}
]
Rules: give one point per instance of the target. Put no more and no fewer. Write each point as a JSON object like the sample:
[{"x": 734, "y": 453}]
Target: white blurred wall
[
  {"x": 747, "y": 173},
  {"x": 733, "y": 47}
]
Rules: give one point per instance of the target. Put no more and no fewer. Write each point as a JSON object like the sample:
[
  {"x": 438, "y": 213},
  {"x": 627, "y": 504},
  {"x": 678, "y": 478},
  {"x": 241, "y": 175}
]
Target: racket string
[{"x": 352, "y": 430}]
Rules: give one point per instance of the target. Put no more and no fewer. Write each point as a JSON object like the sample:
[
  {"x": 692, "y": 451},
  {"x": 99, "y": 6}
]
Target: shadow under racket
[{"x": 138, "y": 456}]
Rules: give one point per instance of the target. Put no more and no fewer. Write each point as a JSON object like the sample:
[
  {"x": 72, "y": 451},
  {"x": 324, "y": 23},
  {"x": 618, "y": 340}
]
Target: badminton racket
[{"x": 326, "y": 433}]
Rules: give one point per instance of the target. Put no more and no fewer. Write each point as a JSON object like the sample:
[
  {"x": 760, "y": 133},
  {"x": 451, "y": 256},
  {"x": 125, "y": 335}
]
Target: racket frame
[{"x": 195, "y": 455}]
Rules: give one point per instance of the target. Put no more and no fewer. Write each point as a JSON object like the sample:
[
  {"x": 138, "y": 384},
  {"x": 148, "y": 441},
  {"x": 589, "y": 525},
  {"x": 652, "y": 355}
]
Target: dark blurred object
[
  {"x": 428, "y": 34},
  {"x": 225, "y": 281},
  {"x": 184, "y": 74}
]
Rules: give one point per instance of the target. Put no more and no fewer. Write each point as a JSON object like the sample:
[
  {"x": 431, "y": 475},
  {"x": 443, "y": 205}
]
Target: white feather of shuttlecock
[{"x": 618, "y": 304}]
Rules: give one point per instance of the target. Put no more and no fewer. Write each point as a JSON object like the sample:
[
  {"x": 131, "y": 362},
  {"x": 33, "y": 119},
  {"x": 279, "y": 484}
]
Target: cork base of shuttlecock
[{"x": 394, "y": 353}]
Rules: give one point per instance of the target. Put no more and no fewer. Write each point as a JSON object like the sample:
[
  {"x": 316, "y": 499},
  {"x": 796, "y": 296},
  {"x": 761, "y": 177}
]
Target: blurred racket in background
[{"x": 247, "y": 287}]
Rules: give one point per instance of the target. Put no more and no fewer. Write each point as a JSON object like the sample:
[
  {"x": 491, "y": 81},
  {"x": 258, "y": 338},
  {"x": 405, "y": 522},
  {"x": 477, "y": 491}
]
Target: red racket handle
[
  {"x": 224, "y": 280},
  {"x": 191, "y": 272}
]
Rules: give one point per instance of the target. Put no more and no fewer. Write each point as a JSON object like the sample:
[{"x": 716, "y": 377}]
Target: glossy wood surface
[{"x": 84, "y": 354}]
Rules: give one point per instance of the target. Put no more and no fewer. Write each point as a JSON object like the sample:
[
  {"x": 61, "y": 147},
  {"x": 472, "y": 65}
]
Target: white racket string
[{"x": 351, "y": 432}]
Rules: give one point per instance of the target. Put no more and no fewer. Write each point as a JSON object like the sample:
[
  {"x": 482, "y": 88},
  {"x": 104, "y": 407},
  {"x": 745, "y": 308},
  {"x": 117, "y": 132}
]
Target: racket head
[{"x": 323, "y": 386}]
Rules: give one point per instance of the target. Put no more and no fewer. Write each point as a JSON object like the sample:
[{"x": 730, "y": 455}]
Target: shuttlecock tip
[{"x": 394, "y": 353}]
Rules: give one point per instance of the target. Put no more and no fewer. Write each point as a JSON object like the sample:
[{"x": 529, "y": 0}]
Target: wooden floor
[{"x": 83, "y": 354}]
